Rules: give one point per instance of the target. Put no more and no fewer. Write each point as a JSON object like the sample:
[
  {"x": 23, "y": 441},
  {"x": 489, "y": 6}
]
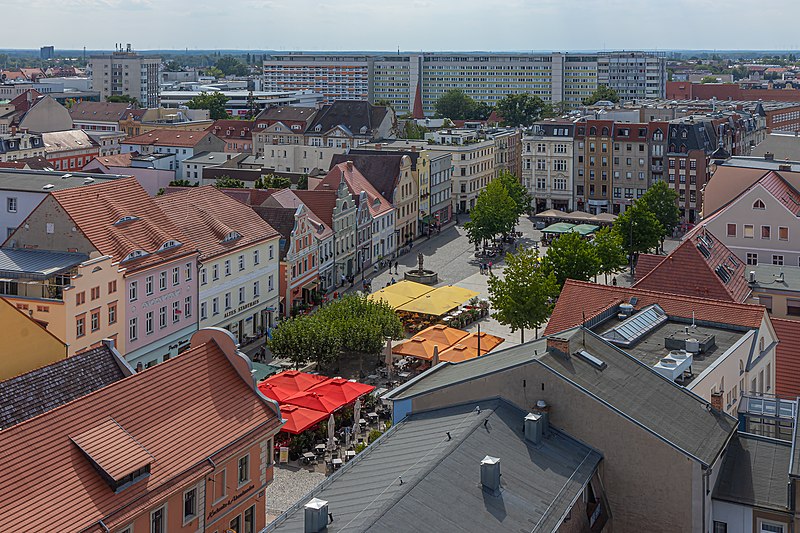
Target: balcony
[{"x": 37, "y": 274}]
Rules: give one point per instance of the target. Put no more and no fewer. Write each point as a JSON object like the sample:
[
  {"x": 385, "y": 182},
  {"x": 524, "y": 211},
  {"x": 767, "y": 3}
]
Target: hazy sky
[{"x": 408, "y": 24}]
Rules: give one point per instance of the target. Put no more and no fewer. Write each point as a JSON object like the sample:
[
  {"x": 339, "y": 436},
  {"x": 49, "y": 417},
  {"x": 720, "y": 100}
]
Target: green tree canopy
[
  {"x": 123, "y": 98},
  {"x": 214, "y": 102},
  {"x": 609, "y": 251},
  {"x": 457, "y": 105},
  {"x": 638, "y": 229},
  {"x": 271, "y": 181},
  {"x": 214, "y": 72},
  {"x": 521, "y": 109},
  {"x": 708, "y": 79},
  {"x": 570, "y": 256},
  {"x": 520, "y": 195},
  {"x": 230, "y": 66},
  {"x": 494, "y": 213},
  {"x": 227, "y": 182},
  {"x": 172, "y": 66},
  {"x": 523, "y": 296},
  {"x": 182, "y": 183},
  {"x": 603, "y": 92},
  {"x": 662, "y": 201}
]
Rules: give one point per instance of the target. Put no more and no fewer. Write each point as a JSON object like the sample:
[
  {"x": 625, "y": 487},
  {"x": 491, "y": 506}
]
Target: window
[
  {"x": 227, "y": 301},
  {"x": 271, "y": 253},
  {"x": 133, "y": 330},
  {"x": 731, "y": 230},
  {"x": 720, "y": 527},
  {"x": 227, "y": 267},
  {"x": 792, "y": 307},
  {"x": 158, "y": 520},
  {"x": 176, "y": 276},
  {"x": 132, "y": 291},
  {"x": 777, "y": 260},
  {"x": 148, "y": 323},
  {"x": 758, "y": 204},
  {"x": 112, "y": 314},
  {"x": 769, "y": 376},
  {"x": 80, "y": 298},
  {"x": 783, "y": 233},
  {"x": 203, "y": 276},
  {"x": 95, "y": 320},
  {"x": 748, "y": 232},
  {"x": 270, "y": 283},
  {"x": 766, "y": 301},
  {"x": 250, "y": 520},
  {"x": 255, "y": 257},
  {"x": 187, "y": 306},
  {"x": 215, "y": 306},
  {"x": 162, "y": 317},
  {"x": 112, "y": 287},
  {"x": 176, "y": 311},
  {"x": 241, "y": 263},
  {"x": 752, "y": 258},
  {"x": 80, "y": 326},
  {"x": 256, "y": 289},
  {"x": 162, "y": 281},
  {"x": 215, "y": 274},
  {"x": 188, "y": 272},
  {"x": 148, "y": 285},
  {"x": 11, "y": 205},
  {"x": 189, "y": 505},
  {"x": 95, "y": 293},
  {"x": 241, "y": 295},
  {"x": 244, "y": 470},
  {"x": 765, "y": 232},
  {"x": 236, "y": 522},
  {"x": 771, "y": 527}
]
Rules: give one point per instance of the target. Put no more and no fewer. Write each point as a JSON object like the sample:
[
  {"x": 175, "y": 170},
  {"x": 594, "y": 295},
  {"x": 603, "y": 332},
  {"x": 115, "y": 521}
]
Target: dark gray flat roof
[
  {"x": 768, "y": 278},
  {"x": 37, "y": 180},
  {"x": 441, "y": 489},
  {"x": 36, "y": 264},
  {"x": 755, "y": 472}
]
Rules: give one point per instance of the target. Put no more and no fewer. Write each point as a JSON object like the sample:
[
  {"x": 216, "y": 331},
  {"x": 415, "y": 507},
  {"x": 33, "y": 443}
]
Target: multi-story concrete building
[
  {"x": 182, "y": 144},
  {"x": 548, "y": 165},
  {"x": 473, "y": 159},
  {"x": 690, "y": 143},
  {"x": 507, "y": 150},
  {"x": 125, "y": 72},
  {"x": 441, "y": 187},
  {"x": 238, "y": 258},
  {"x": 487, "y": 77},
  {"x": 594, "y": 144},
  {"x": 631, "y": 162}
]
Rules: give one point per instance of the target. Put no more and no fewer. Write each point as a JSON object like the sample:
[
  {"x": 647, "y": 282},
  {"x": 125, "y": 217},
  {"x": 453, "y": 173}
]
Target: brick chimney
[
  {"x": 13, "y": 130},
  {"x": 769, "y": 156},
  {"x": 377, "y": 146},
  {"x": 558, "y": 345},
  {"x": 350, "y": 166},
  {"x": 716, "y": 401}
]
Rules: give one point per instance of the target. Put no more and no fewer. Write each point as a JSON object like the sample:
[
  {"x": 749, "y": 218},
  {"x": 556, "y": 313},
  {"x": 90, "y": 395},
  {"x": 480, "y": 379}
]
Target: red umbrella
[
  {"x": 342, "y": 391},
  {"x": 270, "y": 390},
  {"x": 314, "y": 400},
  {"x": 295, "y": 381},
  {"x": 299, "y": 419}
]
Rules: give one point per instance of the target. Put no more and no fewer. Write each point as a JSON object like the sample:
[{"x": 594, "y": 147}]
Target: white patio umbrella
[
  {"x": 331, "y": 433},
  {"x": 347, "y": 434},
  {"x": 435, "y": 360},
  {"x": 389, "y": 360},
  {"x": 356, "y": 418}
]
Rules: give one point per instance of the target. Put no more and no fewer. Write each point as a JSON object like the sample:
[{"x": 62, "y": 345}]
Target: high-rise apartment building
[
  {"x": 125, "y": 72},
  {"x": 487, "y": 77}
]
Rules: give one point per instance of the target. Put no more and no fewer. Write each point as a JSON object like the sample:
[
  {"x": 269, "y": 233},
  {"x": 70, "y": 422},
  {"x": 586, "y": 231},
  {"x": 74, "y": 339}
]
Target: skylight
[
  {"x": 635, "y": 327},
  {"x": 126, "y": 218}
]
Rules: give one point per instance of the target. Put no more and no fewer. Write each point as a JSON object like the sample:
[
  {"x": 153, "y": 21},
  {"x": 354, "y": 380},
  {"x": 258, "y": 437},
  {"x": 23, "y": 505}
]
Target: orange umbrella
[
  {"x": 488, "y": 342},
  {"x": 442, "y": 335},
  {"x": 415, "y": 347},
  {"x": 468, "y": 347}
]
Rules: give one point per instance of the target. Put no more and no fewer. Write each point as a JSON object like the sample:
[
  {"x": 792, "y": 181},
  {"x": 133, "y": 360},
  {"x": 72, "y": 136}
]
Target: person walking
[
  {"x": 395, "y": 267},
  {"x": 490, "y": 268}
]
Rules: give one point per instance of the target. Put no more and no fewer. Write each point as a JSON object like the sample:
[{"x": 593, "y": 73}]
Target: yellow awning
[
  {"x": 409, "y": 289},
  {"x": 439, "y": 301},
  {"x": 394, "y": 300}
]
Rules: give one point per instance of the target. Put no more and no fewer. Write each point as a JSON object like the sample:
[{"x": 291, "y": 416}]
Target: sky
[{"x": 411, "y": 25}]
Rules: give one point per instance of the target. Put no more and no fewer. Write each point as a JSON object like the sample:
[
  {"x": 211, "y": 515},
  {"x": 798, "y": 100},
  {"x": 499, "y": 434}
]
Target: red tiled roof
[
  {"x": 207, "y": 215},
  {"x": 232, "y": 129},
  {"x": 787, "y": 358},
  {"x": 180, "y": 411},
  {"x": 646, "y": 263},
  {"x": 21, "y": 103},
  {"x": 686, "y": 270},
  {"x": 356, "y": 182},
  {"x": 65, "y": 141},
  {"x": 116, "y": 160},
  {"x": 782, "y": 191},
  {"x": 581, "y": 298},
  {"x": 168, "y": 138},
  {"x": 320, "y": 203},
  {"x": 98, "y": 210},
  {"x": 99, "y": 111}
]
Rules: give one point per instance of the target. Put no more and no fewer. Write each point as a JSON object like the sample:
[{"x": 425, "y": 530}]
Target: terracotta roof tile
[
  {"x": 645, "y": 263},
  {"x": 98, "y": 111},
  {"x": 782, "y": 191},
  {"x": 232, "y": 129},
  {"x": 695, "y": 268},
  {"x": 112, "y": 449},
  {"x": 356, "y": 182},
  {"x": 320, "y": 203},
  {"x": 787, "y": 358},
  {"x": 116, "y": 160},
  {"x": 99, "y": 210},
  {"x": 180, "y": 411},
  {"x": 382, "y": 171},
  {"x": 579, "y": 298},
  {"x": 168, "y": 138},
  {"x": 207, "y": 215}
]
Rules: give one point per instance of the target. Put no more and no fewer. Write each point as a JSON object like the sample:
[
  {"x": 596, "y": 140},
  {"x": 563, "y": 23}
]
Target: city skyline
[{"x": 358, "y": 25}]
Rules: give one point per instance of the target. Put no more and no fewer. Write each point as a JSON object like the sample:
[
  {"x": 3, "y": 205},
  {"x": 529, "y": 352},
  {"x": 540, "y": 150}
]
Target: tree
[
  {"x": 172, "y": 66},
  {"x": 412, "y": 130},
  {"x": 520, "y": 195},
  {"x": 638, "y": 229},
  {"x": 570, "y": 256},
  {"x": 457, "y": 105},
  {"x": 603, "y": 92},
  {"x": 609, "y": 251},
  {"x": 384, "y": 102},
  {"x": 214, "y": 102},
  {"x": 523, "y": 296},
  {"x": 521, "y": 109},
  {"x": 709, "y": 79},
  {"x": 123, "y": 98},
  {"x": 494, "y": 213},
  {"x": 182, "y": 183},
  {"x": 271, "y": 181},
  {"x": 227, "y": 182},
  {"x": 214, "y": 72},
  {"x": 230, "y": 66},
  {"x": 662, "y": 201}
]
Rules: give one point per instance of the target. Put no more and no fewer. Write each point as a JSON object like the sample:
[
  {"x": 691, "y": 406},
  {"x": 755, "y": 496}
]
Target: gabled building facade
[{"x": 548, "y": 166}]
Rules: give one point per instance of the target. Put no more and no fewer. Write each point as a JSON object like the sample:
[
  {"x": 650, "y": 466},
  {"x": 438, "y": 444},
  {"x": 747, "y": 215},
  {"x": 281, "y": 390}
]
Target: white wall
[
  {"x": 738, "y": 517},
  {"x": 26, "y": 203}
]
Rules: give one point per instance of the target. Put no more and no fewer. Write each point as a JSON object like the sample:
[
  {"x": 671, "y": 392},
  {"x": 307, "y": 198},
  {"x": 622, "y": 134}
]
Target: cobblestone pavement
[{"x": 288, "y": 486}]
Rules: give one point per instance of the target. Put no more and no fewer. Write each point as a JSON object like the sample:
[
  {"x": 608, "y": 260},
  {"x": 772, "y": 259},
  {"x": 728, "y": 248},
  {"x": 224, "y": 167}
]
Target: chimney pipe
[
  {"x": 533, "y": 428},
  {"x": 558, "y": 345},
  {"x": 316, "y": 516},
  {"x": 543, "y": 410},
  {"x": 490, "y": 474},
  {"x": 349, "y": 165},
  {"x": 769, "y": 156}
]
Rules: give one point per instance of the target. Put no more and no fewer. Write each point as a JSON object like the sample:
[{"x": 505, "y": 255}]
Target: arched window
[
  {"x": 761, "y": 344},
  {"x": 741, "y": 367},
  {"x": 592, "y": 131},
  {"x": 605, "y": 131},
  {"x": 758, "y": 204}
]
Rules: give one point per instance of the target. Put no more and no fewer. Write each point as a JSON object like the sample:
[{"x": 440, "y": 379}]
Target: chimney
[
  {"x": 543, "y": 410},
  {"x": 413, "y": 148},
  {"x": 13, "y": 130},
  {"x": 533, "y": 428},
  {"x": 559, "y": 345},
  {"x": 316, "y": 516},
  {"x": 377, "y": 146},
  {"x": 784, "y": 168},
  {"x": 752, "y": 276},
  {"x": 490, "y": 475},
  {"x": 769, "y": 156},
  {"x": 350, "y": 166},
  {"x": 716, "y": 401}
]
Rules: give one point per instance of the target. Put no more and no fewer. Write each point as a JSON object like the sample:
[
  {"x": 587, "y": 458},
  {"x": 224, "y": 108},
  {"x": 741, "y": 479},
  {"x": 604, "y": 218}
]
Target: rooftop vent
[
  {"x": 533, "y": 428},
  {"x": 87, "y": 180},
  {"x": 490, "y": 475},
  {"x": 48, "y": 187},
  {"x": 596, "y": 362},
  {"x": 66, "y": 176},
  {"x": 316, "y": 515}
]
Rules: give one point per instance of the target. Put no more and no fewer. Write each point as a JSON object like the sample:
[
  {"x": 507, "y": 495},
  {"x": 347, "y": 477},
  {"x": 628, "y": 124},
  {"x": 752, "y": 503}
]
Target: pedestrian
[
  {"x": 395, "y": 267},
  {"x": 375, "y": 268},
  {"x": 344, "y": 279},
  {"x": 490, "y": 267},
  {"x": 393, "y": 281},
  {"x": 614, "y": 281}
]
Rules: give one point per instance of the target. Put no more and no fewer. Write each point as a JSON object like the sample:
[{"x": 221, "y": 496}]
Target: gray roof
[
  {"x": 354, "y": 115},
  {"x": 768, "y": 277},
  {"x": 37, "y": 180},
  {"x": 210, "y": 158},
  {"x": 37, "y": 264},
  {"x": 755, "y": 472},
  {"x": 46, "y": 388},
  {"x": 627, "y": 386},
  {"x": 441, "y": 489},
  {"x": 760, "y": 163}
]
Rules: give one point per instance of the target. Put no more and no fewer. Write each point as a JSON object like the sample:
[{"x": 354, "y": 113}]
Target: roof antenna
[
  {"x": 693, "y": 325},
  {"x": 477, "y": 408},
  {"x": 448, "y": 436},
  {"x": 583, "y": 328}
]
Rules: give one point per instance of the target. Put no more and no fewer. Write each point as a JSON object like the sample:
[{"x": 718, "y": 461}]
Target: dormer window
[
  {"x": 232, "y": 236},
  {"x": 169, "y": 244},
  {"x": 318, "y": 127},
  {"x": 126, "y": 218},
  {"x": 136, "y": 254}
]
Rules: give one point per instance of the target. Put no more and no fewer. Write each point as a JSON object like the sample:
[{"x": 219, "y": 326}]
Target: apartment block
[
  {"x": 125, "y": 72},
  {"x": 548, "y": 165}
]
